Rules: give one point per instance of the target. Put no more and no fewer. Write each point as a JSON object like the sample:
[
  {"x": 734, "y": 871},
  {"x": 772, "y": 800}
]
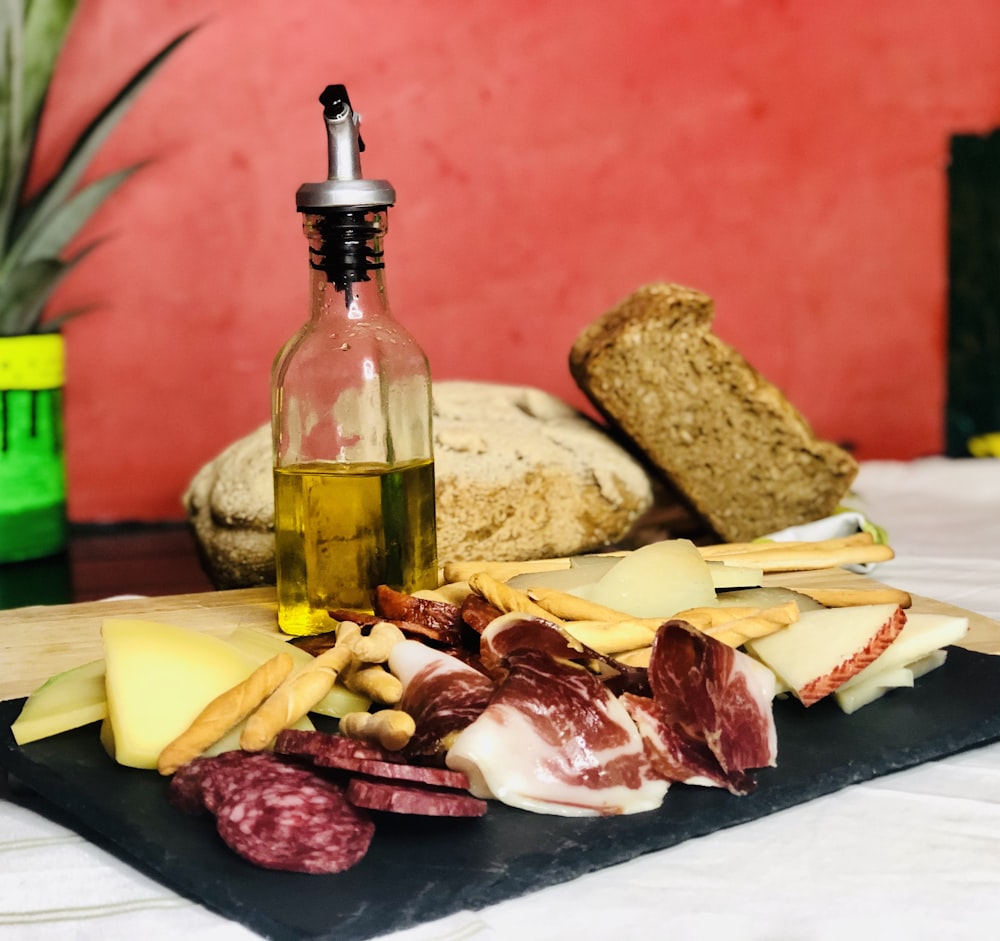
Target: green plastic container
[{"x": 32, "y": 456}]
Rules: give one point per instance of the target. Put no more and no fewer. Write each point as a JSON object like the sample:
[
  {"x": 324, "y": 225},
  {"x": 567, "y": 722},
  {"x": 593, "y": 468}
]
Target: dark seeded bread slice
[{"x": 728, "y": 440}]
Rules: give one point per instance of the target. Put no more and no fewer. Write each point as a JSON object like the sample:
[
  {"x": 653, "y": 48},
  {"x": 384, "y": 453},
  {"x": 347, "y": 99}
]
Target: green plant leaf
[
  {"x": 46, "y": 23},
  {"x": 55, "y": 324},
  {"x": 61, "y": 227},
  {"x": 33, "y": 216},
  {"x": 24, "y": 291},
  {"x": 32, "y": 33},
  {"x": 35, "y": 232}
]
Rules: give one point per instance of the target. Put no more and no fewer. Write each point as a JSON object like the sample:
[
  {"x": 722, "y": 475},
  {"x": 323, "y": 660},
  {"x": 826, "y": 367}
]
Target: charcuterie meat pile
[{"x": 305, "y": 806}]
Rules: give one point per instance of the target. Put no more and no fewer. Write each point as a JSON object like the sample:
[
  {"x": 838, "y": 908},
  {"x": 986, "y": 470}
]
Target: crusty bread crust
[
  {"x": 519, "y": 474},
  {"x": 727, "y": 439}
]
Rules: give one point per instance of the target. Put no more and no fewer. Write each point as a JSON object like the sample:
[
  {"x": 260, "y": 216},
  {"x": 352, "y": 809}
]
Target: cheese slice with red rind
[
  {"x": 823, "y": 649},
  {"x": 923, "y": 633}
]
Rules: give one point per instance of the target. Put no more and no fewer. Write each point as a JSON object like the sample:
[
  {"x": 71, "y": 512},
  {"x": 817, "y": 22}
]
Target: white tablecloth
[{"x": 913, "y": 855}]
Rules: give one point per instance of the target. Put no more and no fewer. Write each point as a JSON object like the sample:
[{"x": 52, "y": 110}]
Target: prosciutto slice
[
  {"x": 441, "y": 693},
  {"x": 710, "y": 718},
  {"x": 553, "y": 738}
]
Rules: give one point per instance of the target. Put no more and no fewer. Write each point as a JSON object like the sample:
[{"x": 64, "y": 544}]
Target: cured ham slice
[
  {"x": 824, "y": 649},
  {"x": 710, "y": 717},
  {"x": 677, "y": 755},
  {"x": 553, "y": 738},
  {"x": 441, "y": 693}
]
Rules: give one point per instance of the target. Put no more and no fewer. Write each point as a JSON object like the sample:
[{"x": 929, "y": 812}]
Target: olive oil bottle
[{"x": 351, "y": 410}]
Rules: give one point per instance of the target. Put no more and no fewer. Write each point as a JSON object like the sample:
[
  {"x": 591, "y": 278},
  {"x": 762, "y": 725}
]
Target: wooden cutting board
[{"x": 38, "y": 642}]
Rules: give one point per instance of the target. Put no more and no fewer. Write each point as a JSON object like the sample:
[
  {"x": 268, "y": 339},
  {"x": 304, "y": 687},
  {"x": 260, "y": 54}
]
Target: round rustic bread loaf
[{"x": 519, "y": 475}]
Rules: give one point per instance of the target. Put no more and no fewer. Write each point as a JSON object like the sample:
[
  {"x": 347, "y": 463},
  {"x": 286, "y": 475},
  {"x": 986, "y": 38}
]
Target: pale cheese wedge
[
  {"x": 733, "y": 575},
  {"x": 656, "y": 580},
  {"x": 861, "y": 694},
  {"x": 159, "y": 677},
  {"x": 922, "y": 634},
  {"x": 65, "y": 701},
  {"x": 825, "y": 648},
  {"x": 876, "y": 686}
]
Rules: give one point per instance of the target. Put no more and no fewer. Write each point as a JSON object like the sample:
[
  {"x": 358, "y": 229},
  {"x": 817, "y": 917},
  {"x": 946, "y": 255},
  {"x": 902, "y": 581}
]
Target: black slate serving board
[{"x": 421, "y": 869}]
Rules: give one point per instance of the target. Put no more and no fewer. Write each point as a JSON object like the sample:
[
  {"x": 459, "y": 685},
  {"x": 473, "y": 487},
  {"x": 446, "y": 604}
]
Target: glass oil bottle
[{"x": 351, "y": 410}]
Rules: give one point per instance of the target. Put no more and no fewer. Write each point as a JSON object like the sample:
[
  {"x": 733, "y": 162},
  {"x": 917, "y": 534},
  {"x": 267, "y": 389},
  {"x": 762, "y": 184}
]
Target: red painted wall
[{"x": 785, "y": 156}]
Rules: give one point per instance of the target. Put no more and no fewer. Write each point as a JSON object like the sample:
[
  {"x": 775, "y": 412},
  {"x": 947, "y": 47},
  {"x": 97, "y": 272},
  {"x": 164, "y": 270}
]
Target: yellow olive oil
[{"x": 343, "y": 529}]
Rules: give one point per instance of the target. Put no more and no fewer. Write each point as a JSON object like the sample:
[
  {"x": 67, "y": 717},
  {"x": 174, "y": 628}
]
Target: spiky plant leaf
[
  {"x": 24, "y": 291},
  {"x": 34, "y": 233},
  {"x": 32, "y": 33},
  {"x": 63, "y": 224},
  {"x": 33, "y": 215},
  {"x": 28, "y": 289}
]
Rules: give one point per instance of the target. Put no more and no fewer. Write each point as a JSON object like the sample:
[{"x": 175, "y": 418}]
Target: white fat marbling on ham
[
  {"x": 710, "y": 717},
  {"x": 442, "y": 694},
  {"x": 553, "y": 738}
]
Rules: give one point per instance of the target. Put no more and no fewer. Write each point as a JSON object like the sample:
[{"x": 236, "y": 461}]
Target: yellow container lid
[{"x": 35, "y": 361}]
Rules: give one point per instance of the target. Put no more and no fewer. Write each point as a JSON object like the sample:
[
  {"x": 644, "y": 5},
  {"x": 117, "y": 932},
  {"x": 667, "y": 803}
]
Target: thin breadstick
[
  {"x": 390, "y": 728},
  {"x": 507, "y": 599},
  {"x": 571, "y": 608},
  {"x": 712, "y": 616},
  {"x": 451, "y": 592},
  {"x": 373, "y": 681},
  {"x": 501, "y": 571},
  {"x": 612, "y": 637},
  {"x": 224, "y": 712},
  {"x": 737, "y": 633},
  {"x": 376, "y": 646},
  {"x": 726, "y": 549},
  {"x": 849, "y": 597},
  {"x": 777, "y": 557},
  {"x": 294, "y": 698},
  {"x": 734, "y": 626}
]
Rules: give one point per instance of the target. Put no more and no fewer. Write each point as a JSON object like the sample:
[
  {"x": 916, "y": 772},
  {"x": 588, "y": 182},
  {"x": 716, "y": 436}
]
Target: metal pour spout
[
  {"x": 345, "y": 187},
  {"x": 344, "y": 144}
]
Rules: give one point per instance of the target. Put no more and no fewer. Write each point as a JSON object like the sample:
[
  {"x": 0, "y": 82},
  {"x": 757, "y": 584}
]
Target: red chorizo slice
[
  {"x": 413, "y": 799},
  {"x": 295, "y": 827},
  {"x": 394, "y": 770}
]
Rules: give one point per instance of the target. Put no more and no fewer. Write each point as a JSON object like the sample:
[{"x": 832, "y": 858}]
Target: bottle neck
[{"x": 346, "y": 262}]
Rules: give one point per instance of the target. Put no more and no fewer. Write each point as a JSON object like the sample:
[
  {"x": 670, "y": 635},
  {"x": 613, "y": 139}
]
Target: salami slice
[
  {"x": 318, "y": 745},
  {"x": 295, "y": 827},
  {"x": 185, "y": 791},
  {"x": 301, "y": 742},
  {"x": 228, "y": 773},
  {"x": 394, "y": 771},
  {"x": 413, "y": 799}
]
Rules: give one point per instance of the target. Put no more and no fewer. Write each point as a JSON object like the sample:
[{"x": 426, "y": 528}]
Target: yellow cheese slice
[
  {"x": 65, "y": 701},
  {"x": 158, "y": 678}
]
